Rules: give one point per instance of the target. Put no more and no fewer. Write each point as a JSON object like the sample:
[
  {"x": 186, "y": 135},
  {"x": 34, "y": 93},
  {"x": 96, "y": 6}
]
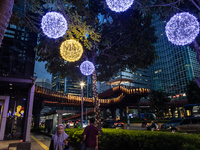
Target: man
[
  {"x": 92, "y": 136},
  {"x": 144, "y": 123}
]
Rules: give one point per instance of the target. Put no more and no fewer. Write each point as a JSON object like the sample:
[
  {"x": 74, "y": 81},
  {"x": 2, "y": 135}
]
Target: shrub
[
  {"x": 120, "y": 139},
  {"x": 37, "y": 129}
]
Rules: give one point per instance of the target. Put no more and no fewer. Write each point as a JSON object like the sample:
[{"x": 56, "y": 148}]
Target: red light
[{"x": 21, "y": 140}]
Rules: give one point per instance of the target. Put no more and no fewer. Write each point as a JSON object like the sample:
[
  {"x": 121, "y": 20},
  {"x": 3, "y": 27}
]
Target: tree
[
  {"x": 5, "y": 14},
  {"x": 158, "y": 101},
  {"x": 112, "y": 41},
  {"x": 118, "y": 42},
  {"x": 193, "y": 92}
]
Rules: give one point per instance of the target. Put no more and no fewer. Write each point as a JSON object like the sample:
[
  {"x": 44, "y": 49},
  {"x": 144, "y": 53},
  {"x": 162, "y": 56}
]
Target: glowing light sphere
[
  {"x": 119, "y": 5},
  {"x": 87, "y": 68},
  {"x": 182, "y": 28},
  {"x": 71, "y": 50},
  {"x": 54, "y": 25}
]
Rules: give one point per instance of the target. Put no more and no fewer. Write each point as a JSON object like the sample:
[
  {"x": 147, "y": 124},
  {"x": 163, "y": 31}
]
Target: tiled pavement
[
  {"x": 4, "y": 144},
  {"x": 38, "y": 142}
]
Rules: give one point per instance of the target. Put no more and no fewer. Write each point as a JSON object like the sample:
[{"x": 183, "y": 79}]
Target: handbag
[{"x": 83, "y": 144}]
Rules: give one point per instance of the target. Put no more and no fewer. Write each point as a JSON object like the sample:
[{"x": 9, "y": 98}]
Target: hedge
[
  {"x": 119, "y": 139},
  {"x": 37, "y": 129}
]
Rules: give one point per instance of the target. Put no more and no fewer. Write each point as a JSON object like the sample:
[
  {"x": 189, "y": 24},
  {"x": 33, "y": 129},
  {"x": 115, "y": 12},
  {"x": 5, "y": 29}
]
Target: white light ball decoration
[
  {"x": 54, "y": 25},
  {"x": 182, "y": 28},
  {"x": 119, "y": 5},
  {"x": 87, "y": 68}
]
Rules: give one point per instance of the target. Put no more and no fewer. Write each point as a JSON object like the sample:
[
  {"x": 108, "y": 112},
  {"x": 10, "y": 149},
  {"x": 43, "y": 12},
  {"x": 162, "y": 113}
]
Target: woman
[{"x": 59, "y": 139}]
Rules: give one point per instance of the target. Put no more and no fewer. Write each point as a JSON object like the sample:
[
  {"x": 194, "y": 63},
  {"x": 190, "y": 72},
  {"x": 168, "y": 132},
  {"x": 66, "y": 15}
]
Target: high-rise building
[
  {"x": 175, "y": 66},
  {"x": 140, "y": 78},
  {"x": 45, "y": 83},
  {"x": 17, "y": 58},
  {"x": 71, "y": 86}
]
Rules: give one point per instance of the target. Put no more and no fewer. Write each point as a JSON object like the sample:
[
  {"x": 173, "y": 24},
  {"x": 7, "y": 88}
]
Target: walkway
[{"x": 40, "y": 142}]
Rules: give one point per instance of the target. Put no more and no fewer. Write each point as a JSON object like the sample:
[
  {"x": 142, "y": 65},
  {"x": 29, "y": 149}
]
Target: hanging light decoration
[
  {"x": 182, "y": 28},
  {"x": 54, "y": 25},
  {"x": 119, "y": 5},
  {"x": 87, "y": 68},
  {"x": 71, "y": 50}
]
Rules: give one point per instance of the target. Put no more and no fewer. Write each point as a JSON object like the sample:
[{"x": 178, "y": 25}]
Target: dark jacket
[{"x": 52, "y": 146}]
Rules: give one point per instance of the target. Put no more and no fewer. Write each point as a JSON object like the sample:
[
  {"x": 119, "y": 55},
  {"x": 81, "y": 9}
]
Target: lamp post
[{"x": 82, "y": 85}]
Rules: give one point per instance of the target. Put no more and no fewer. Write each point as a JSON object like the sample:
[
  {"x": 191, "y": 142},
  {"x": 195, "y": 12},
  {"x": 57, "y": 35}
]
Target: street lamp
[{"x": 82, "y": 85}]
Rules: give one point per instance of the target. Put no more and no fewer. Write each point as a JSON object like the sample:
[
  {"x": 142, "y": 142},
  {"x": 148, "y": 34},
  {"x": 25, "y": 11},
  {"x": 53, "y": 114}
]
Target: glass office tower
[
  {"x": 71, "y": 86},
  {"x": 140, "y": 78},
  {"x": 175, "y": 66}
]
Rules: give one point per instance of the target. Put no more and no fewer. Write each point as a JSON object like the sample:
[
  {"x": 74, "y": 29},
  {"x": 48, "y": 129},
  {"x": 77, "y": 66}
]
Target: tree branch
[
  {"x": 162, "y": 5},
  {"x": 65, "y": 13},
  {"x": 195, "y": 4},
  {"x": 107, "y": 47},
  {"x": 24, "y": 7}
]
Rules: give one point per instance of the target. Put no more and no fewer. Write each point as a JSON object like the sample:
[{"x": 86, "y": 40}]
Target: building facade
[
  {"x": 71, "y": 86},
  {"x": 141, "y": 78},
  {"x": 175, "y": 66},
  {"x": 17, "y": 82},
  {"x": 45, "y": 83}
]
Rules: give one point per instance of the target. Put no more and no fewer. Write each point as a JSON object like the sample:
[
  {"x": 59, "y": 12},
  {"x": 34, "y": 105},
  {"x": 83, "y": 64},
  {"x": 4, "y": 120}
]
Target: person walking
[
  {"x": 144, "y": 123},
  {"x": 90, "y": 136},
  {"x": 59, "y": 139}
]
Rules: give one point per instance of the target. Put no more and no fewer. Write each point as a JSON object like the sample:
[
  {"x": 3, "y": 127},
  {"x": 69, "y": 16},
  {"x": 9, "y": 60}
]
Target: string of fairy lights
[{"x": 181, "y": 29}]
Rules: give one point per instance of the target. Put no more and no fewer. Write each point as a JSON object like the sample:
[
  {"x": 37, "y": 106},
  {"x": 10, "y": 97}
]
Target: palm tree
[{"x": 5, "y": 14}]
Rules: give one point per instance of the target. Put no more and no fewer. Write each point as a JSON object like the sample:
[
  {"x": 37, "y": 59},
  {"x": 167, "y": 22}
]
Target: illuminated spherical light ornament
[
  {"x": 71, "y": 50},
  {"x": 54, "y": 25},
  {"x": 119, "y": 5},
  {"x": 87, "y": 68},
  {"x": 182, "y": 28}
]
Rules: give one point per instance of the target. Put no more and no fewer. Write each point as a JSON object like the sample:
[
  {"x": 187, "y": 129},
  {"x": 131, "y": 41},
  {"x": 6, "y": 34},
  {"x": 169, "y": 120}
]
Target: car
[
  {"x": 191, "y": 124},
  {"x": 85, "y": 124},
  {"x": 113, "y": 124},
  {"x": 148, "y": 115},
  {"x": 171, "y": 123}
]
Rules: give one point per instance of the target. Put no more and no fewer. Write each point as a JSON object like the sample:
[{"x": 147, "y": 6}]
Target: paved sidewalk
[
  {"x": 39, "y": 141},
  {"x": 4, "y": 144}
]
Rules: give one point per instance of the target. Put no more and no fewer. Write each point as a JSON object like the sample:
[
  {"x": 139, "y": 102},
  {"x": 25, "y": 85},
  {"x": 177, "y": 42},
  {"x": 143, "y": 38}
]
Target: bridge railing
[{"x": 77, "y": 99}]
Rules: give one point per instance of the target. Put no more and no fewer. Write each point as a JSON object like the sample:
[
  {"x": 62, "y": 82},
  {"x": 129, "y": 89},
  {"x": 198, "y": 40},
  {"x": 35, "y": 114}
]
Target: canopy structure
[{"x": 119, "y": 81}]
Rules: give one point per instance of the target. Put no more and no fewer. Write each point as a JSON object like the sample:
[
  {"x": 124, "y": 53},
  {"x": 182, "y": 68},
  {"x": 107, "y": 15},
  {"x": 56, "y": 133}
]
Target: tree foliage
[
  {"x": 112, "y": 41},
  {"x": 158, "y": 101},
  {"x": 193, "y": 92}
]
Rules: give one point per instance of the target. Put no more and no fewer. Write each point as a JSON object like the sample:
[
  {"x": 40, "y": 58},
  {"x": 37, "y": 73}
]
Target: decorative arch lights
[
  {"x": 119, "y": 5},
  {"x": 71, "y": 50},
  {"x": 87, "y": 68},
  {"x": 182, "y": 28},
  {"x": 54, "y": 25}
]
